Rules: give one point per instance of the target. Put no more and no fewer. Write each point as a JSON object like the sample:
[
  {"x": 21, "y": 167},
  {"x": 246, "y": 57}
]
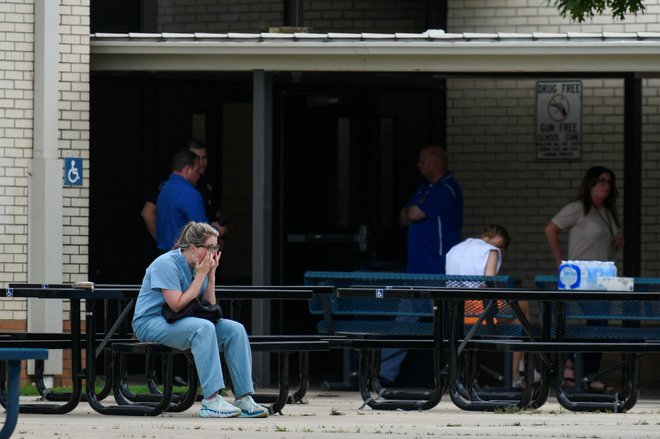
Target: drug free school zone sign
[{"x": 559, "y": 120}]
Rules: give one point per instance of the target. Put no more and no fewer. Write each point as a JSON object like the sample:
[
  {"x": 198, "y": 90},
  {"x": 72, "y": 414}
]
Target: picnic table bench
[
  {"x": 96, "y": 343},
  {"x": 283, "y": 346},
  {"x": 451, "y": 342},
  {"x": 610, "y": 325},
  {"x": 13, "y": 358},
  {"x": 370, "y": 325}
]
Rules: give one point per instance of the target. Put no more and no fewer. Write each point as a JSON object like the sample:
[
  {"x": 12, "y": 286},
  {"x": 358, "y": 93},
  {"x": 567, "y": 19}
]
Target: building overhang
[{"x": 601, "y": 54}]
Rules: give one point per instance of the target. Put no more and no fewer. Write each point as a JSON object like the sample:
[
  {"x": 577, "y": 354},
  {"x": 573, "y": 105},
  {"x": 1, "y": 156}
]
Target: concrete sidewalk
[{"x": 337, "y": 415}]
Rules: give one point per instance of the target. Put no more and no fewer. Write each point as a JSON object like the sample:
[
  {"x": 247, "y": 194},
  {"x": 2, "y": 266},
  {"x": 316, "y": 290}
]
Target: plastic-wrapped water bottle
[
  {"x": 593, "y": 270},
  {"x": 608, "y": 277},
  {"x": 611, "y": 269},
  {"x": 599, "y": 270}
]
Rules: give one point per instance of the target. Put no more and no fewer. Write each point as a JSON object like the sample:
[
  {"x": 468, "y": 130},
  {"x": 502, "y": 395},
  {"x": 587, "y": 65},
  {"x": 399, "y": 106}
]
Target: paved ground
[{"x": 337, "y": 415}]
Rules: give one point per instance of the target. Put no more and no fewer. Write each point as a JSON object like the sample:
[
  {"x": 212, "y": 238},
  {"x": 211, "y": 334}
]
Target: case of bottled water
[{"x": 584, "y": 275}]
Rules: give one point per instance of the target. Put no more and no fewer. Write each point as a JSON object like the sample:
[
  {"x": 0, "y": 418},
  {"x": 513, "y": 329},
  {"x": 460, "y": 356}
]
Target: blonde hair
[
  {"x": 195, "y": 234},
  {"x": 493, "y": 231}
]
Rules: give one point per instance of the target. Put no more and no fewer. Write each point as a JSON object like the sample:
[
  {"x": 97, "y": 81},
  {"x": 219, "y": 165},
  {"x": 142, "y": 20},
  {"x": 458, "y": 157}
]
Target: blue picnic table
[{"x": 13, "y": 357}]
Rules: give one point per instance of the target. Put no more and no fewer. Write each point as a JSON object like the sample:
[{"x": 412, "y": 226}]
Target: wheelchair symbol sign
[{"x": 73, "y": 171}]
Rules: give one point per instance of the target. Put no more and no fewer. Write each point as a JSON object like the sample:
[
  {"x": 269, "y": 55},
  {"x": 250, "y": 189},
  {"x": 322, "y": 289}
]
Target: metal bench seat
[
  {"x": 281, "y": 345},
  {"x": 10, "y": 394},
  {"x": 344, "y": 315},
  {"x": 633, "y": 325}
]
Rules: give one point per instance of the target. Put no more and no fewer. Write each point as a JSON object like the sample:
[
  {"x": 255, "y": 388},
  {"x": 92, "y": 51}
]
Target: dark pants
[{"x": 592, "y": 359}]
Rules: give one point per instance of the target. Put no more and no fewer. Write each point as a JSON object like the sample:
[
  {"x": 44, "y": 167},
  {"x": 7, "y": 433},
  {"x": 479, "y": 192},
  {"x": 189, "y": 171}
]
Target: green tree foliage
[{"x": 580, "y": 10}]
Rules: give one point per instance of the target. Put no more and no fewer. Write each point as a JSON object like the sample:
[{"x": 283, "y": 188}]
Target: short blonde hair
[
  {"x": 493, "y": 231},
  {"x": 195, "y": 234}
]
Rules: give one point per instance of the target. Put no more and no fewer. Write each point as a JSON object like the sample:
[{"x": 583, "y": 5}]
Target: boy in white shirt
[{"x": 482, "y": 256}]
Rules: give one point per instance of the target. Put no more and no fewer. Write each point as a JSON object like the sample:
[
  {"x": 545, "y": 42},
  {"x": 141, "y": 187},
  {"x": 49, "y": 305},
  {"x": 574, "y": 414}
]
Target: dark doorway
[
  {"x": 137, "y": 123},
  {"x": 328, "y": 175},
  {"x": 348, "y": 154}
]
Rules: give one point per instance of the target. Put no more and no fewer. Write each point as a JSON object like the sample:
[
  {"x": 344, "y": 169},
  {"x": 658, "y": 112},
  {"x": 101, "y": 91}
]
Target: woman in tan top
[{"x": 593, "y": 235}]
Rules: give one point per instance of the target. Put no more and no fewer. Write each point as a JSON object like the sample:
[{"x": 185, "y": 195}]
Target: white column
[{"x": 45, "y": 179}]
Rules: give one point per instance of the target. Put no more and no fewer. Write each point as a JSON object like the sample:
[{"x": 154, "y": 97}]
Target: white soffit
[{"x": 431, "y": 51}]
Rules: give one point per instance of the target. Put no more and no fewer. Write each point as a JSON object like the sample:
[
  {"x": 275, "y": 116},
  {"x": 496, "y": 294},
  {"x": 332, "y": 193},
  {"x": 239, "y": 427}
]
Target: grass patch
[{"x": 31, "y": 389}]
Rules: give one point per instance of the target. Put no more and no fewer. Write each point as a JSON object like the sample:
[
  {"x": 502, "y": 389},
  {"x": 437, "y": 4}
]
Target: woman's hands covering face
[{"x": 209, "y": 263}]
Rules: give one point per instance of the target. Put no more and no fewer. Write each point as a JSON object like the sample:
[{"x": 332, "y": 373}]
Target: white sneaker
[
  {"x": 250, "y": 409},
  {"x": 218, "y": 408},
  {"x": 519, "y": 383},
  {"x": 537, "y": 374}
]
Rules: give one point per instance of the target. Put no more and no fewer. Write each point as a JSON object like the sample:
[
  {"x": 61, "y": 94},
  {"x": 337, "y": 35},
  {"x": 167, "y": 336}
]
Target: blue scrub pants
[{"x": 205, "y": 340}]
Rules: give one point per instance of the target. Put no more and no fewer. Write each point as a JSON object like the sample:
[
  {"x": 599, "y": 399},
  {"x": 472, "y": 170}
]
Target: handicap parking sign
[{"x": 73, "y": 171}]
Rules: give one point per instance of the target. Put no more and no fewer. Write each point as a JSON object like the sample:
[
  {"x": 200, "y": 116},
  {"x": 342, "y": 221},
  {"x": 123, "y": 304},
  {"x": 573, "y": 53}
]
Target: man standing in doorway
[
  {"x": 179, "y": 201},
  {"x": 434, "y": 217},
  {"x": 213, "y": 213}
]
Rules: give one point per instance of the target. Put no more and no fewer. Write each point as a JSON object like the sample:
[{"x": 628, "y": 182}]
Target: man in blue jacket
[{"x": 434, "y": 217}]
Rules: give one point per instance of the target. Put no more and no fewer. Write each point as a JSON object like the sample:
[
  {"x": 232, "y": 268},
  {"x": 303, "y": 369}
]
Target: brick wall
[
  {"x": 491, "y": 136},
  {"x": 384, "y": 16},
  {"x": 16, "y": 93},
  {"x": 539, "y": 16},
  {"x": 74, "y": 132},
  {"x": 219, "y": 15},
  {"x": 16, "y": 108},
  {"x": 16, "y": 124},
  {"x": 16, "y": 142},
  {"x": 318, "y": 15},
  {"x": 651, "y": 179}
]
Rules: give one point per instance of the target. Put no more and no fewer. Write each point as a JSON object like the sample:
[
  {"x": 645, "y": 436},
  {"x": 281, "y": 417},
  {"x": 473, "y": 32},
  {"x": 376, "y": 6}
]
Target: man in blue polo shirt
[
  {"x": 434, "y": 217},
  {"x": 179, "y": 202},
  {"x": 434, "y": 214}
]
